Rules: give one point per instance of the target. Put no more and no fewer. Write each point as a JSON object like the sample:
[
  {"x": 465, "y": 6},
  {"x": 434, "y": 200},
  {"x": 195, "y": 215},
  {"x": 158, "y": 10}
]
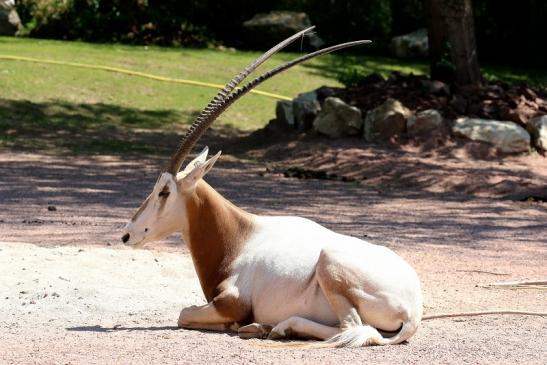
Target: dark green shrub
[
  {"x": 343, "y": 20},
  {"x": 133, "y": 21}
]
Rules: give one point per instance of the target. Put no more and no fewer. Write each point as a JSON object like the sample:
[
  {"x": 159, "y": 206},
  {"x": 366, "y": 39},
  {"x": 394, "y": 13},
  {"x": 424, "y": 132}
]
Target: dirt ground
[{"x": 71, "y": 294}]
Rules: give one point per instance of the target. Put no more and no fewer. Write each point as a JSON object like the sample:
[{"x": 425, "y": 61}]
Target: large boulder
[
  {"x": 425, "y": 122},
  {"x": 386, "y": 121},
  {"x": 284, "y": 113},
  {"x": 506, "y": 136},
  {"x": 414, "y": 44},
  {"x": 305, "y": 108},
  {"x": 9, "y": 19},
  {"x": 267, "y": 28},
  {"x": 538, "y": 129},
  {"x": 338, "y": 119}
]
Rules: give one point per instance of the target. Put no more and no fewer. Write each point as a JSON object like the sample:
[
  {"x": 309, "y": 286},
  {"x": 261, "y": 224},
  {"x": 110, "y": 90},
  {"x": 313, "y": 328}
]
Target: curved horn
[
  {"x": 203, "y": 123},
  {"x": 185, "y": 145}
]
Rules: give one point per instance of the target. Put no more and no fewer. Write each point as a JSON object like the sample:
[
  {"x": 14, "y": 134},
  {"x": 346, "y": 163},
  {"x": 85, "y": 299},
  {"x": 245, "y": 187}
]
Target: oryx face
[
  {"x": 164, "y": 211},
  {"x": 157, "y": 216}
]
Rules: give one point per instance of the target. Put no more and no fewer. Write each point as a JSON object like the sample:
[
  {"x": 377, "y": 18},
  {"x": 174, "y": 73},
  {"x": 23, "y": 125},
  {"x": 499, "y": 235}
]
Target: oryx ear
[
  {"x": 199, "y": 160},
  {"x": 199, "y": 171},
  {"x": 166, "y": 184}
]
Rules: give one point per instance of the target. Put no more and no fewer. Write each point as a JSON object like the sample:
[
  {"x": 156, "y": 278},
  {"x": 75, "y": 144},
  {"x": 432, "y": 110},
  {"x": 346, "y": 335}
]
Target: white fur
[{"x": 281, "y": 256}]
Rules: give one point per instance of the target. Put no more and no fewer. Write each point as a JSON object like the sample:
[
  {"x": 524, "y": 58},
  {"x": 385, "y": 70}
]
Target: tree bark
[{"x": 452, "y": 45}]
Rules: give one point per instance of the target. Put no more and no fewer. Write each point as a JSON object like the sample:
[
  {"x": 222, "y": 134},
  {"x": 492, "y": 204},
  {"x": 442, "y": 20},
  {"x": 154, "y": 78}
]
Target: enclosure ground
[{"x": 71, "y": 294}]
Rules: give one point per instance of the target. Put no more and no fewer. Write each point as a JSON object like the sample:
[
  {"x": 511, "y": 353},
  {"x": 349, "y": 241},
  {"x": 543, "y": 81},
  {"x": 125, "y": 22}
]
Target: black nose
[{"x": 125, "y": 238}]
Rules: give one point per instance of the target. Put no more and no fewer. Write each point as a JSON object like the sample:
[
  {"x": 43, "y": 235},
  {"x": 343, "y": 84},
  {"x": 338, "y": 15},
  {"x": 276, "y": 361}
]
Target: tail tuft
[
  {"x": 357, "y": 336},
  {"x": 366, "y": 335}
]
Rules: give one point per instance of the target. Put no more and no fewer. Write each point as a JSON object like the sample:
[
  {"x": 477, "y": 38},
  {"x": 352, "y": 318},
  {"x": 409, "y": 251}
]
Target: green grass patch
[
  {"x": 60, "y": 107},
  {"x": 41, "y": 82}
]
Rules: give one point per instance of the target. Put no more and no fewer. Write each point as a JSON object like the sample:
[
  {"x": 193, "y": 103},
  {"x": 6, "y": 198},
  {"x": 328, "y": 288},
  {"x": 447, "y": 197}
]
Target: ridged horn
[
  {"x": 200, "y": 129},
  {"x": 191, "y": 137},
  {"x": 204, "y": 120}
]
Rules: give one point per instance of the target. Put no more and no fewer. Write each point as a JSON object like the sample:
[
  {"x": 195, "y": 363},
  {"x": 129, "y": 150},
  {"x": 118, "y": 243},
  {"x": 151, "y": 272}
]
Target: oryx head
[{"x": 163, "y": 212}]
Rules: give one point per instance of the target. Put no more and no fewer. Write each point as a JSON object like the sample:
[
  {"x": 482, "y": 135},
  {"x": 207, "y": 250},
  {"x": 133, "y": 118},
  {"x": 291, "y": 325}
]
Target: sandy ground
[{"x": 71, "y": 294}]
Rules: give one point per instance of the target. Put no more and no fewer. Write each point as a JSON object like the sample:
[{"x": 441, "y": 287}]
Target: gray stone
[
  {"x": 414, "y": 44},
  {"x": 424, "y": 122},
  {"x": 386, "y": 121},
  {"x": 436, "y": 87},
  {"x": 305, "y": 109},
  {"x": 324, "y": 92},
  {"x": 538, "y": 129},
  {"x": 274, "y": 26},
  {"x": 9, "y": 19},
  {"x": 506, "y": 136},
  {"x": 338, "y": 119},
  {"x": 284, "y": 113}
]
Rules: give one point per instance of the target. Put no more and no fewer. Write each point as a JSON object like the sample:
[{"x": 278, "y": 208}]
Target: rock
[
  {"x": 538, "y": 129},
  {"x": 372, "y": 79},
  {"x": 414, "y": 44},
  {"x": 9, "y": 19},
  {"x": 268, "y": 28},
  {"x": 284, "y": 113},
  {"x": 386, "y": 121},
  {"x": 305, "y": 109},
  {"x": 338, "y": 119},
  {"x": 424, "y": 122},
  {"x": 522, "y": 111},
  {"x": 324, "y": 92},
  {"x": 506, "y": 136},
  {"x": 436, "y": 87}
]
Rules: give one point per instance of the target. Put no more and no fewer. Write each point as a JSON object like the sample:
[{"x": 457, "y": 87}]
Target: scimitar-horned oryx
[{"x": 275, "y": 276}]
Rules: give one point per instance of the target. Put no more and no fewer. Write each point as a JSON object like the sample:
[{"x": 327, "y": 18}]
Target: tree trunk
[{"x": 452, "y": 45}]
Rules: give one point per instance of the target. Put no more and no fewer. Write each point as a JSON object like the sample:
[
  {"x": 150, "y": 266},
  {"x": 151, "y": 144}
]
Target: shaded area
[
  {"x": 95, "y": 196},
  {"x": 99, "y": 328},
  {"x": 433, "y": 165},
  {"x": 348, "y": 69},
  {"x": 63, "y": 126}
]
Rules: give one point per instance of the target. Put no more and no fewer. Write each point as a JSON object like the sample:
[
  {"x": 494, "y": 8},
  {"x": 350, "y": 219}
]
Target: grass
[
  {"x": 39, "y": 100},
  {"x": 515, "y": 75},
  {"x": 40, "y": 82},
  {"x": 60, "y": 107}
]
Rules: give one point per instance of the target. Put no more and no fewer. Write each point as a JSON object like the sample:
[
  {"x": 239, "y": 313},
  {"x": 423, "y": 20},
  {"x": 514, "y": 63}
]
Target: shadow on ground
[
  {"x": 94, "y": 196},
  {"x": 98, "y": 328},
  {"x": 88, "y": 128}
]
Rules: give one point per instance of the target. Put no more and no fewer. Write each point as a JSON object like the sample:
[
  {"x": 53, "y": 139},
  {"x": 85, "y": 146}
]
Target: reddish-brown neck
[{"x": 217, "y": 230}]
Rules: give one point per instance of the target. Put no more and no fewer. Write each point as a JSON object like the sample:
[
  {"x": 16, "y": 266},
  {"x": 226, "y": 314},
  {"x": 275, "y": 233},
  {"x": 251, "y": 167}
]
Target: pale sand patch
[{"x": 76, "y": 286}]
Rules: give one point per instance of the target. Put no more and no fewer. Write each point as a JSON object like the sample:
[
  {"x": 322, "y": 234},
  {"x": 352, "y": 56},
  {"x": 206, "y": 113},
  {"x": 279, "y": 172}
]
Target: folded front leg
[{"x": 223, "y": 313}]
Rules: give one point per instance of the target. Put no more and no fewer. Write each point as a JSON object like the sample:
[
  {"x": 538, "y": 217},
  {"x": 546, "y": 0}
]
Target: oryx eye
[{"x": 164, "y": 193}]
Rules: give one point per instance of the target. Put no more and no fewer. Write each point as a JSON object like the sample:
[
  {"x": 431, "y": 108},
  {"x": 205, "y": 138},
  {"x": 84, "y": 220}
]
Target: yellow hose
[{"x": 134, "y": 73}]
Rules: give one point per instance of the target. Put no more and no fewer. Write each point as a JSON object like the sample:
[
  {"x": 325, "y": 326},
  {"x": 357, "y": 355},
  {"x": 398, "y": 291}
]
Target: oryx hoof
[
  {"x": 182, "y": 321},
  {"x": 280, "y": 331},
  {"x": 254, "y": 330}
]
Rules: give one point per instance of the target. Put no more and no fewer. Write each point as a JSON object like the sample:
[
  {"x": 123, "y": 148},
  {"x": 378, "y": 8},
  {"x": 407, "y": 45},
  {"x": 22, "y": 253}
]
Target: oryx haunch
[{"x": 271, "y": 275}]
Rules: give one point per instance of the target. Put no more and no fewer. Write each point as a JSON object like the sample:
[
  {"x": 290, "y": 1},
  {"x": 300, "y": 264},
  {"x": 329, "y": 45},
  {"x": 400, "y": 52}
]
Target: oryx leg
[
  {"x": 346, "y": 293},
  {"x": 254, "y": 330},
  {"x": 302, "y": 327},
  {"x": 336, "y": 285},
  {"x": 221, "y": 314},
  {"x": 205, "y": 317},
  {"x": 297, "y": 326}
]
